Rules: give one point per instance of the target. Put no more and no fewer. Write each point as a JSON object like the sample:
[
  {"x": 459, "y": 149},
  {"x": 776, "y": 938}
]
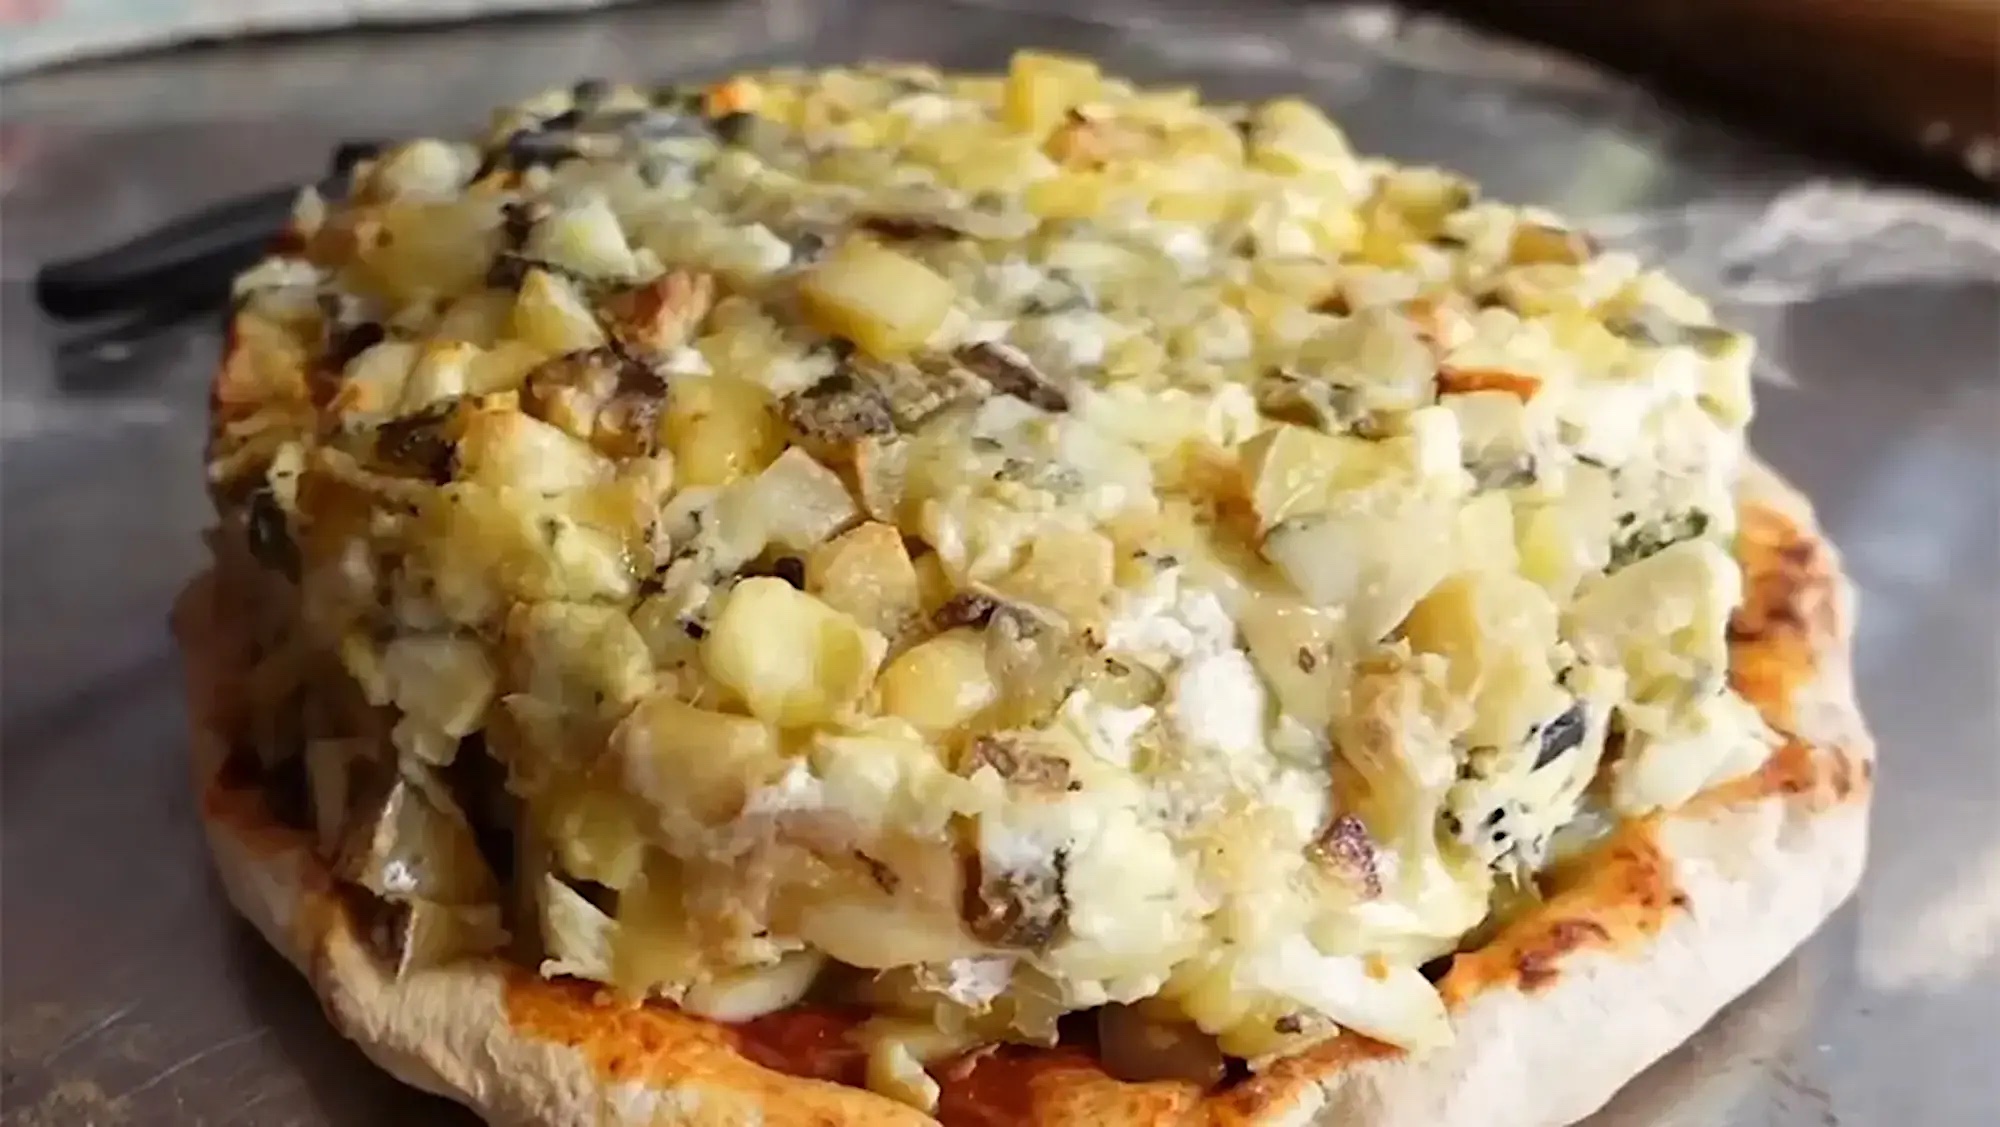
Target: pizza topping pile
[{"x": 984, "y": 548}]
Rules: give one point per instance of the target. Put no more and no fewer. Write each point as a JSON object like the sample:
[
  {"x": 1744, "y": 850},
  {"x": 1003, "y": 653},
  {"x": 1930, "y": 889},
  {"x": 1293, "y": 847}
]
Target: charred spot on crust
[{"x": 1537, "y": 964}]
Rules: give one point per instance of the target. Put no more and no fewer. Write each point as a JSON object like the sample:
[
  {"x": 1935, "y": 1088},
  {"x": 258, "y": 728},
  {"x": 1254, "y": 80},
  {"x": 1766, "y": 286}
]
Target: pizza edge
[{"x": 1674, "y": 918}]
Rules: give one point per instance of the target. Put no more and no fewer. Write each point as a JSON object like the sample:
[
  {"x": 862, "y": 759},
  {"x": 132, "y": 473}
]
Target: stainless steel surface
[{"x": 128, "y": 995}]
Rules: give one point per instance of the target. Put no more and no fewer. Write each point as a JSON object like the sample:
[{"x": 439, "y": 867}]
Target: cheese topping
[{"x": 1045, "y": 541}]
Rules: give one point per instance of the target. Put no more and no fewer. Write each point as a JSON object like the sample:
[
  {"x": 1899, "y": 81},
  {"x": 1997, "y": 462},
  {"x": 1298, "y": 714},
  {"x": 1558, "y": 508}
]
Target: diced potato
[
  {"x": 1299, "y": 650},
  {"x": 1042, "y": 87},
  {"x": 894, "y": 1071},
  {"x": 1374, "y": 564},
  {"x": 1663, "y": 619},
  {"x": 792, "y": 658},
  {"x": 579, "y": 654},
  {"x": 422, "y": 169},
  {"x": 941, "y": 683},
  {"x": 441, "y": 372},
  {"x": 585, "y": 238},
  {"x": 720, "y": 429},
  {"x": 1290, "y": 137},
  {"x": 575, "y": 933},
  {"x": 595, "y": 828},
  {"x": 694, "y": 766},
  {"x": 1537, "y": 244},
  {"x": 503, "y": 448},
  {"x": 1295, "y": 471},
  {"x": 415, "y": 251},
  {"x": 881, "y": 473},
  {"x": 802, "y": 502},
  {"x": 476, "y": 318},
  {"x": 446, "y": 681},
  {"x": 755, "y": 991},
  {"x": 373, "y": 384},
  {"x": 934, "y": 582},
  {"x": 887, "y": 303},
  {"x": 657, "y": 949},
  {"x": 1495, "y": 631},
  {"x": 885, "y": 772},
  {"x": 550, "y": 315},
  {"x": 881, "y": 935},
  {"x": 1726, "y": 381},
  {"x": 1562, "y": 543},
  {"x": 502, "y": 368},
  {"x": 482, "y": 547},
  {"x": 1485, "y": 536},
  {"x": 265, "y": 363},
  {"x": 1072, "y": 195},
  {"x": 866, "y": 573},
  {"x": 1067, "y": 571}
]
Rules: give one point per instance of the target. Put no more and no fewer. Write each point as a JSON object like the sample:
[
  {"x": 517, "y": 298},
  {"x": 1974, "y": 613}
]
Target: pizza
[{"x": 870, "y": 596}]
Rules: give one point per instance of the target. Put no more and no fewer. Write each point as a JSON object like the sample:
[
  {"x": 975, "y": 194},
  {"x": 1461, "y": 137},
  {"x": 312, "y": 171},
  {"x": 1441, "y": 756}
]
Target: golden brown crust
[{"x": 1671, "y": 919}]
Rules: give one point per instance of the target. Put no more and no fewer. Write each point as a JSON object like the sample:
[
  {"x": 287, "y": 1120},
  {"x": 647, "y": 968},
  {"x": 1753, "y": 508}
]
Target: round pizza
[{"x": 869, "y": 596}]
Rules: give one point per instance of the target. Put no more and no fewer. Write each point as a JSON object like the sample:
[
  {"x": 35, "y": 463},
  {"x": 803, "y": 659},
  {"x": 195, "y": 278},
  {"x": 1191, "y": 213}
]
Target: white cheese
[
  {"x": 1219, "y": 703},
  {"x": 686, "y": 361},
  {"x": 1232, "y": 415},
  {"x": 797, "y": 789},
  {"x": 1304, "y": 796},
  {"x": 1435, "y": 443},
  {"x": 1167, "y": 621},
  {"x": 1080, "y": 338},
  {"x": 768, "y": 253},
  {"x": 974, "y": 983},
  {"x": 1225, "y": 336},
  {"x": 1186, "y": 245},
  {"x": 926, "y": 108},
  {"x": 1014, "y": 279},
  {"x": 1106, "y": 729}
]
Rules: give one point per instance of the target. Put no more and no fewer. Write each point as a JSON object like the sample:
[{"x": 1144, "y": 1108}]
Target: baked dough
[{"x": 1642, "y": 943}]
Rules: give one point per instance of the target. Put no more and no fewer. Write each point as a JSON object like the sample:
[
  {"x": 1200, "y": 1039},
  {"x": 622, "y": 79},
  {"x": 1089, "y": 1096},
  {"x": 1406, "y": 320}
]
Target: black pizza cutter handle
[{"x": 189, "y": 261}]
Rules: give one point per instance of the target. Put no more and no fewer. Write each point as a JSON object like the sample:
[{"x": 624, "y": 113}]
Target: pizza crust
[{"x": 1682, "y": 915}]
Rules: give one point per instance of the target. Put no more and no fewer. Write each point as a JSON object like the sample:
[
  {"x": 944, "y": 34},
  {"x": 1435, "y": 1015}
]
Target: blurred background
[
  {"x": 1824, "y": 169},
  {"x": 1915, "y": 83}
]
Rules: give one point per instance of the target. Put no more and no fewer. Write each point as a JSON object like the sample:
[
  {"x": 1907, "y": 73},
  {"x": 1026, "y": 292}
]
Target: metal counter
[{"x": 129, "y": 994}]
